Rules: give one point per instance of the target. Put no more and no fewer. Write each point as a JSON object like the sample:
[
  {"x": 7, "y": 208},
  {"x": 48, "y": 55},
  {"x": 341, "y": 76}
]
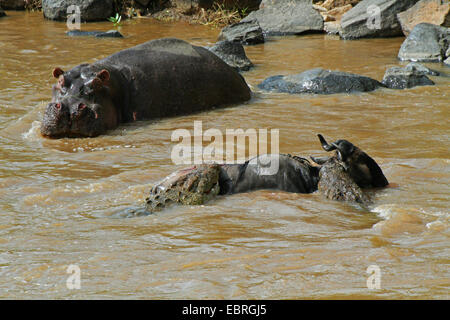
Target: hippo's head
[
  {"x": 81, "y": 104},
  {"x": 360, "y": 166}
]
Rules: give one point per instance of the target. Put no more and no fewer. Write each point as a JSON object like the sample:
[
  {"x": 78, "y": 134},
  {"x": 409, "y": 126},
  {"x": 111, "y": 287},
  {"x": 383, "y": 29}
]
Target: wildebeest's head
[
  {"x": 360, "y": 166},
  {"x": 81, "y": 104}
]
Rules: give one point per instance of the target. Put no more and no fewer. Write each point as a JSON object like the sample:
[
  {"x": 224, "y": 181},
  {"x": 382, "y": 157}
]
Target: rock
[
  {"x": 328, "y": 18},
  {"x": 319, "y": 8},
  {"x": 338, "y": 12},
  {"x": 447, "y": 61},
  {"x": 97, "y": 34},
  {"x": 12, "y": 4},
  {"x": 332, "y": 27},
  {"x": 233, "y": 54},
  {"x": 402, "y": 78},
  {"x": 426, "y": 42},
  {"x": 320, "y": 81},
  {"x": 430, "y": 11},
  {"x": 447, "y": 53},
  {"x": 91, "y": 10},
  {"x": 248, "y": 32},
  {"x": 331, "y": 4},
  {"x": 287, "y": 17},
  {"x": 374, "y": 18},
  {"x": 421, "y": 69},
  {"x": 143, "y": 3}
]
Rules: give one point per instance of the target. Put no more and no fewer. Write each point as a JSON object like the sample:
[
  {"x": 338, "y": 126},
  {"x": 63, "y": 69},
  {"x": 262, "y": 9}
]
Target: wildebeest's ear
[
  {"x": 103, "y": 75},
  {"x": 57, "y": 72},
  {"x": 319, "y": 160}
]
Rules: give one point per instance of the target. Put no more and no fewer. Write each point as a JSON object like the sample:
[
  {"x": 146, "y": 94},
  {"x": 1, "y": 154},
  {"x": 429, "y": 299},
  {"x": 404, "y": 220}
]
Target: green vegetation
[{"x": 115, "y": 20}]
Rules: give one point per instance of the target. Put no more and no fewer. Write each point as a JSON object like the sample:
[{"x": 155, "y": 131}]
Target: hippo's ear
[
  {"x": 96, "y": 83},
  {"x": 57, "y": 72},
  {"x": 103, "y": 75}
]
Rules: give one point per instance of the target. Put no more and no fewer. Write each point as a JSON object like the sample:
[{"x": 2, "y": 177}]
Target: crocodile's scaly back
[{"x": 193, "y": 186}]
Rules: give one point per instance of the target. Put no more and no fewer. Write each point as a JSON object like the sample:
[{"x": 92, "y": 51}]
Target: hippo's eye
[{"x": 86, "y": 91}]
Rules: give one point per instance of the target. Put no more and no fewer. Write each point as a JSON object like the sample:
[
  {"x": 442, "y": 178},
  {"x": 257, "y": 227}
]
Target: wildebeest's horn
[{"x": 325, "y": 145}]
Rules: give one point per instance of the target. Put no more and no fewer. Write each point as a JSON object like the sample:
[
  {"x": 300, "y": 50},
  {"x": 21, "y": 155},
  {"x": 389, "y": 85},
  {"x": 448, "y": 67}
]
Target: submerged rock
[
  {"x": 430, "y": 11},
  {"x": 96, "y": 34},
  {"x": 426, "y": 42},
  {"x": 287, "y": 17},
  {"x": 402, "y": 78},
  {"x": 320, "y": 81},
  {"x": 91, "y": 10},
  {"x": 233, "y": 54},
  {"x": 374, "y": 18},
  {"x": 245, "y": 32}
]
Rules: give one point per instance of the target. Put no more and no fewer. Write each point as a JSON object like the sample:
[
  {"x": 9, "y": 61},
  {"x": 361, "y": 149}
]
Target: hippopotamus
[{"x": 159, "y": 78}]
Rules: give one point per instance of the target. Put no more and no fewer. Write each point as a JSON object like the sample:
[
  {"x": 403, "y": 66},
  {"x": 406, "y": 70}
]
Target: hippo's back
[{"x": 169, "y": 77}]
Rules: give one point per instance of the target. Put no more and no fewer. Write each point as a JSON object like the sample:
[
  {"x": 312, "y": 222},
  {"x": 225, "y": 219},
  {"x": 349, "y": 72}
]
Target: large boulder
[
  {"x": 233, "y": 54},
  {"x": 426, "y": 42},
  {"x": 430, "y": 11},
  {"x": 320, "y": 81},
  {"x": 374, "y": 18},
  {"x": 91, "y": 10},
  {"x": 13, "y": 4},
  {"x": 248, "y": 32},
  {"x": 287, "y": 17},
  {"x": 402, "y": 78}
]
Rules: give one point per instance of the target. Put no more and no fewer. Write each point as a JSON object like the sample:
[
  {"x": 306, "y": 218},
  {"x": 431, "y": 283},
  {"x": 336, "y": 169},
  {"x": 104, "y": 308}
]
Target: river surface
[{"x": 59, "y": 198}]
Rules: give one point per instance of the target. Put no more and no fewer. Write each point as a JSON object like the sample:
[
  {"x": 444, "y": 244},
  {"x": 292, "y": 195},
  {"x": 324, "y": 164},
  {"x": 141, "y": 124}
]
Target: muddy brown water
[{"x": 58, "y": 197}]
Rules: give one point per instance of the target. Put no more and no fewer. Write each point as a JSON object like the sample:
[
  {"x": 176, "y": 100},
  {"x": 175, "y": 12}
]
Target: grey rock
[
  {"x": 362, "y": 20},
  {"x": 143, "y": 3},
  {"x": 91, "y": 10},
  {"x": 447, "y": 61},
  {"x": 402, "y": 78},
  {"x": 287, "y": 17},
  {"x": 245, "y": 32},
  {"x": 233, "y": 54},
  {"x": 421, "y": 69},
  {"x": 12, "y": 4},
  {"x": 320, "y": 81},
  {"x": 332, "y": 27},
  {"x": 426, "y": 42},
  {"x": 96, "y": 34}
]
